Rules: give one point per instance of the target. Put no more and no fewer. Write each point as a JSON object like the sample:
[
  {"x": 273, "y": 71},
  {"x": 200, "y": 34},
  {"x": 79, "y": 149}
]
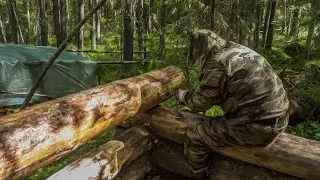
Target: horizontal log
[
  {"x": 288, "y": 154},
  {"x": 170, "y": 157},
  {"x": 42, "y": 133},
  {"x": 107, "y": 160}
]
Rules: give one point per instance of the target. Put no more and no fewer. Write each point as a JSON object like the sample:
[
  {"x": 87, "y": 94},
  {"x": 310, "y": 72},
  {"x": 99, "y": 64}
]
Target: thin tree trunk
[
  {"x": 139, "y": 26},
  {"x": 294, "y": 30},
  {"x": 271, "y": 25},
  {"x": 63, "y": 19},
  {"x": 163, "y": 19},
  {"x": 29, "y": 30},
  {"x": 151, "y": 6},
  {"x": 3, "y": 32},
  {"x": 93, "y": 35},
  {"x": 80, "y": 12},
  {"x": 212, "y": 14},
  {"x": 266, "y": 23},
  {"x": 12, "y": 21},
  {"x": 258, "y": 26},
  {"x": 311, "y": 30},
  {"x": 98, "y": 24},
  {"x": 43, "y": 23},
  {"x": 127, "y": 34},
  {"x": 284, "y": 27},
  {"x": 56, "y": 19}
]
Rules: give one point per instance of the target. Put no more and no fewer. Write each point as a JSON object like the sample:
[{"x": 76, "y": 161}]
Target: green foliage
[
  {"x": 310, "y": 130},
  {"x": 46, "y": 171},
  {"x": 215, "y": 111}
]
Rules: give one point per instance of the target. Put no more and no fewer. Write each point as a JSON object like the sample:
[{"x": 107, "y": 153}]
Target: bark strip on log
[
  {"x": 40, "y": 134},
  {"x": 289, "y": 154},
  {"x": 137, "y": 170},
  {"x": 106, "y": 161}
]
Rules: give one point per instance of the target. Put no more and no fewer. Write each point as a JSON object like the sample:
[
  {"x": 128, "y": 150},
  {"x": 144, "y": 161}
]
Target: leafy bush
[{"x": 310, "y": 130}]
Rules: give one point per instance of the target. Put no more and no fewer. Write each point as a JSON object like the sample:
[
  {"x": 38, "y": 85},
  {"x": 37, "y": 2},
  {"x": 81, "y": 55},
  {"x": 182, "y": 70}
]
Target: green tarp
[{"x": 20, "y": 66}]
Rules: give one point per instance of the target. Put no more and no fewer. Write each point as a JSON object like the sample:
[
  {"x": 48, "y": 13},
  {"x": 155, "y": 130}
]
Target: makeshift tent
[{"x": 20, "y": 66}]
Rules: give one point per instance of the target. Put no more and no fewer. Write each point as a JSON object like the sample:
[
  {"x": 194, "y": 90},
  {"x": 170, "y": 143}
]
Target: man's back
[{"x": 252, "y": 91}]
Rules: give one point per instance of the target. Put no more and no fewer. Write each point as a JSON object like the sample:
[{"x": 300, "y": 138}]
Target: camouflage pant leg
[{"x": 220, "y": 132}]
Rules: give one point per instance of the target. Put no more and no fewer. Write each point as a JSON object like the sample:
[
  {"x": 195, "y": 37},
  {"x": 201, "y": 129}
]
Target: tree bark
[
  {"x": 271, "y": 25},
  {"x": 56, "y": 21},
  {"x": 106, "y": 161},
  {"x": 266, "y": 23},
  {"x": 40, "y": 134},
  {"x": 98, "y": 24},
  {"x": 63, "y": 19},
  {"x": 137, "y": 170},
  {"x": 80, "y": 12},
  {"x": 312, "y": 26},
  {"x": 43, "y": 23},
  {"x": 288, "y": 154},
  {"x": 127, "y": 34},
  {"x": 29, "y": 30}
]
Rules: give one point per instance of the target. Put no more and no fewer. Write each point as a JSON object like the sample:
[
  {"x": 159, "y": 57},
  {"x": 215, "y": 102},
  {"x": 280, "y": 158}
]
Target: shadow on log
[
  {"x": 289, "y": 154},
  {"x": 42, "y": 133},
  {"x": 106, "y": 161}
]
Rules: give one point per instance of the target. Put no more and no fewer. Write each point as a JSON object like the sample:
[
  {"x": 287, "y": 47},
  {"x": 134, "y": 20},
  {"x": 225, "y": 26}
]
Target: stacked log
[
  {"x": 42, "y": 133},
  {"x": 106, "y": 161},
  {"x": 288, "y": 154}
]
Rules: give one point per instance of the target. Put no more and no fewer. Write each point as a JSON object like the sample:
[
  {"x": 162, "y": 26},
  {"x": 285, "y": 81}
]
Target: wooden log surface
[
  {"x": 288, "y": 154},
  {"x": 42, "y": 133},
  {"x": 107, "y": 160}
]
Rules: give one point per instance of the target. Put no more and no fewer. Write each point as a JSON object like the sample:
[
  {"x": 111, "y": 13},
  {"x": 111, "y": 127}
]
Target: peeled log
[
  {"x": 106, "y": 161},
  {"x": 40, "y": 134},
  {"x": 288, "y": 154}
]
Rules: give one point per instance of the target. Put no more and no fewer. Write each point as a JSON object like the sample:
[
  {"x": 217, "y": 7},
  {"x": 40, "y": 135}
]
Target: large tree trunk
[
  {"x": 80, "y": 12},
  {"x": 40, "y": 134},
  {"x": 271, "y": 25},
  {"x": 56, "y": 21},
  {"x": 63, "y": 19},
  {"x": 43, "y": 23},
  {"x": 106, "y": 161},
  {"x": 127, "y": 34},
  {"x": 288, "y": 154}
]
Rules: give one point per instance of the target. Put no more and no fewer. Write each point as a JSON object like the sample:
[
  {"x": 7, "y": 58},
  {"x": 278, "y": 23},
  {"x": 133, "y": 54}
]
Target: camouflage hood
[{"x": 202, "y": 43}]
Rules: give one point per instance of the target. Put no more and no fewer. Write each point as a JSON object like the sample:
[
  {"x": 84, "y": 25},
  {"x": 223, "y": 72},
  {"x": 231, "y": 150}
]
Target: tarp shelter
[{"x": 20, "y": 66}]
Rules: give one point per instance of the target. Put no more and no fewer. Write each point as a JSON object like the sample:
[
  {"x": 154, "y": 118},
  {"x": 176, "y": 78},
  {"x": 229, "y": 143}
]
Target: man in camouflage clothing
[{"x": 243, "y": 83}]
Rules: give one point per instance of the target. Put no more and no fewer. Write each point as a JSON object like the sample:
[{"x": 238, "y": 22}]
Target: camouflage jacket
[{"x": 242, "y": 82}]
